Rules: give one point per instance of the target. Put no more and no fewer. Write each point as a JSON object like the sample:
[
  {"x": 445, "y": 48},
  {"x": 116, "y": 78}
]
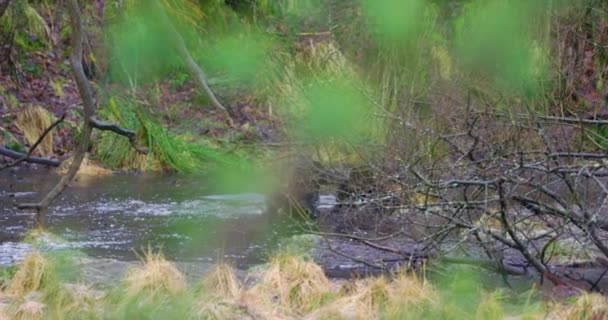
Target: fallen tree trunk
[
  {"x": 32, "y": 159},
  {"x": 27, "y": 157}
]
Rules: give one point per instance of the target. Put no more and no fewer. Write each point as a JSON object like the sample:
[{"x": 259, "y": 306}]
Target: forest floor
[{"x": 45, "y": 79}]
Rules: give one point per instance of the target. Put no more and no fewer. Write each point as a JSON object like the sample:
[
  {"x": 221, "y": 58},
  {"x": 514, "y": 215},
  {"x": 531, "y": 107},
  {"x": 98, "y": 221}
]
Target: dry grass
[
  {"x": 221, "y": 291},
  {"x": 29, "y": 310},
  {"x": 359, "y": 302},
  {"x": 88, "y": 168},
  {"x": 586, "y": 307},
  {"x": 407, "y": 292},
  {"x": 218, "y": 310},
  {"x": 374, "y": 298},
  {"x": 34, "y": 274},
  {"x": 489, "y": 308},
  {"x": 222, "y": 282},
  {"x": 289, "y": 286},
  {"x": 157, "y": 275},
  {"x": 32, "y": 121},
  {"x": 74, "y": 301}
]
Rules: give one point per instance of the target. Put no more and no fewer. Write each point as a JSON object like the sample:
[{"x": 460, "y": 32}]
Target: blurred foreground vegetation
[
  {"x": 338, "y": 82},
  {"x": 50, "y": 286}
]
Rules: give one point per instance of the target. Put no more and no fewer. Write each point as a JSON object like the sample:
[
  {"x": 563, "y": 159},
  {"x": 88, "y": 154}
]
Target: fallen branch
[
  {"x": 20, "y": 157},
  {"x": 32, "y": 159},
  {"x": 574, "y": 120},
  {"x": 501, "y": 267},
  {"x": 107, "y": 126}
]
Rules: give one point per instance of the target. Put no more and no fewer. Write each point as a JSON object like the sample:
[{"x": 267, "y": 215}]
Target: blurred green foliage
[
  {"x": 334, "y": 109},
  {"x": 396, "y": 20},
  {"x": 494, "y": 39},
  {"x": 241, "y": 56}
]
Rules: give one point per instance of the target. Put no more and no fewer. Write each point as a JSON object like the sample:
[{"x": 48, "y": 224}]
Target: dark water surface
[{"x": 115, "y": 216}]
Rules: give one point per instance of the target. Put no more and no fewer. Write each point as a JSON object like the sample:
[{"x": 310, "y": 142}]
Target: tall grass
[
  {"x": 166, "y": 150},
  {"x": 32, "y": 121},
  {"x": 288, "y": 287}
]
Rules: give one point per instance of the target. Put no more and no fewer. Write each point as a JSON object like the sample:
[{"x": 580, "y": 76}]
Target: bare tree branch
[
  {"x": 86, "y": 95},
  {"x": 180, "y": 45},
  {"x": 28, "y": 156},
  {"x": 107, "y": 126},
  {"x": 18, "y": 155}
]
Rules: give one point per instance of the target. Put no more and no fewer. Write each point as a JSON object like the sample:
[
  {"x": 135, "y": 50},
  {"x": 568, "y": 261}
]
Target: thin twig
[{"x": 26, "y": 157}]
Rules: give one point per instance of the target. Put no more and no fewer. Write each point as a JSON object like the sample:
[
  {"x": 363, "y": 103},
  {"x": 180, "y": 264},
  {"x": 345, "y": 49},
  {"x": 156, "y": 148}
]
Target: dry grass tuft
[
  {"x": 369, "y": 298},
  {"x": 74, "y": 301},
  {"x": 29, "y": 310},
  {"x": 409, "y": 293},
  {"x": 157, "y": 275},
  {"x": 218, "y": 309},
  {"x": 87, "y": 168},
  {"x": 221, "y": 291},
  {"x": 360, "y": 302},
  {"x": 32, "y": 121},
  {"x": 4, "y": 308},
  {"x": 289, "y": 283},
  {"x": 222, "y": 282},
  {"x": 33, "y": 275},
  {"x": 586, "y": 307}
]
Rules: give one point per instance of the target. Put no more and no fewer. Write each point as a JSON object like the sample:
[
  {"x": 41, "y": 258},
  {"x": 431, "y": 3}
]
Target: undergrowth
[
  {"x": 165, "y": 150},
  {"x": 288, "y": 287}
]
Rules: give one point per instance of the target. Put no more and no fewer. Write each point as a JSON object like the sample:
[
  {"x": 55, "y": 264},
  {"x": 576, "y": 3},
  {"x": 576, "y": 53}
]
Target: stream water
[
  {"x": 119, "y": 216},
  {"x": 115, "y": 218}
]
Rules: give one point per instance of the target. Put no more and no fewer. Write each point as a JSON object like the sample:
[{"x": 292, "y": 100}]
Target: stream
[
  {"x": 114, "y": 219},
  {"x": 119, "y": 216}
]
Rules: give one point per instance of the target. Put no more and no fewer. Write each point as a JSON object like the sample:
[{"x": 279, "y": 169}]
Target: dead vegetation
[
  {"x": 88, "y": 168},
  {"x": 288, "y": 287},
  {"x": 291, "y": 283},
  {"x": 32, "y": 121},
  {"x": 156, "y": 276},
  {"x": 587, "y": 306},
  {"x": 34, "y": 274}
]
